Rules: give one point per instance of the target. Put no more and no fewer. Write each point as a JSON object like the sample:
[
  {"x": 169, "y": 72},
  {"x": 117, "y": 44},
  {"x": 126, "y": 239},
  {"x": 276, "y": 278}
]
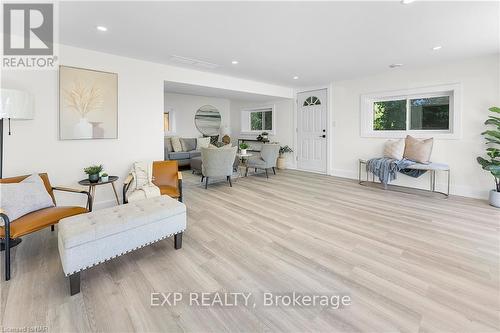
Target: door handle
[{"x": 322, "y": 136}]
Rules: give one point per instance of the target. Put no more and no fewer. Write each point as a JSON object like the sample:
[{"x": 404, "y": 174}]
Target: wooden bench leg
[
  {"x": 74, "y": 283},
  {"x": 178, "y": 240}
]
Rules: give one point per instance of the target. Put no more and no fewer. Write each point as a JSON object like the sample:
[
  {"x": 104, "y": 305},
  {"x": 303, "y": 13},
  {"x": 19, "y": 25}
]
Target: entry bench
[
  {"x": 89, "y": 239},
  {"x": 431, "y": 167}
]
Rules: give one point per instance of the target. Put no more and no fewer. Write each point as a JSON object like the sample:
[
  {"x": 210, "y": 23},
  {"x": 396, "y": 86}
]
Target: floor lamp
[{"x": 15, "y": 105}]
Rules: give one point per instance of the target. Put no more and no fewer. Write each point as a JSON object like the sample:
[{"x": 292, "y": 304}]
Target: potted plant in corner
[
  {"x": 93, "y": 172},
  {"x": 281, "y": 158},
  {"x": 243, "y": 148},
  {"x": 104, "y": 177},
  {"x": 492, "y": 164}
]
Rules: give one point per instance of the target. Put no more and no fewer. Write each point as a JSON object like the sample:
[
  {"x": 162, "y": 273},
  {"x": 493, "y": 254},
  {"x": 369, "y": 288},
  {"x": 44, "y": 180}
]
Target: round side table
[
  {"x": 243, "y": 162},
  {"x": 92, "y": 186}
]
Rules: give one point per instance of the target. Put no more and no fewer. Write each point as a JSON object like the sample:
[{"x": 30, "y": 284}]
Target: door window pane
[
  {"x": 431, "y": 113},
  {"x": 389, "y": 115}
]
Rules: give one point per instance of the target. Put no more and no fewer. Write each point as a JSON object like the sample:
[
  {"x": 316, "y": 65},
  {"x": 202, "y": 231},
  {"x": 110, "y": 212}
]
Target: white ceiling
[
  {"x": 189, "y": 89},
  {"x": 273, "y": 41}
]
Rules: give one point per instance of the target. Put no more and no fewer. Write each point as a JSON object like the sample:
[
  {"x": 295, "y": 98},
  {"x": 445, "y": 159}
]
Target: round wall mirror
[{"x": 207, "y": 120}]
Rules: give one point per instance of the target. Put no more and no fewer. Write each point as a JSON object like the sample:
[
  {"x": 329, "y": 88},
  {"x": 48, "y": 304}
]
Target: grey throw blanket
[{"x": 386, "y": 169}]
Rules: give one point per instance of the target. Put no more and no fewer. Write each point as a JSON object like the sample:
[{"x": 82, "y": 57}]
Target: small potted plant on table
[
  {"x": 243, "y": 148},
  {"x": 93, "y": 172},
  {"x": 104, "y": 177},
  {"x": 281, "y": 158},
  {"x": 492, "y": 164}
]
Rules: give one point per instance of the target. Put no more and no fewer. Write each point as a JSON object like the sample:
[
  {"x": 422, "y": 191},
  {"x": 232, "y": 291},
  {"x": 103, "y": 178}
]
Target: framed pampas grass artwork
[{"x": 88, "y": 104}]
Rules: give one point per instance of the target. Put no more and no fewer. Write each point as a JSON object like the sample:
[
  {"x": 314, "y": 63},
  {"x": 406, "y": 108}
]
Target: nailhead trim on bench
[{"x": 139, "y": 247}]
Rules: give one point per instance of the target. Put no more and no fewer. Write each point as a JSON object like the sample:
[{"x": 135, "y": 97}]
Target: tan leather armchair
[
  {"x": 166, "y": 176},
  {"x": 11, "y": 231}
]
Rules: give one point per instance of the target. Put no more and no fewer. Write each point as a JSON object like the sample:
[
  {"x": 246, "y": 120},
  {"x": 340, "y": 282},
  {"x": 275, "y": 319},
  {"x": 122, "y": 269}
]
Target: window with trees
[
  {"x": 257, "y": 120},
  {"x": 426, "y": 111}
]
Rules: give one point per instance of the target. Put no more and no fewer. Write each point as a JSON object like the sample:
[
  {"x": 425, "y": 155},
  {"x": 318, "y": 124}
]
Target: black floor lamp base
[{"x": 13, "y": 242}]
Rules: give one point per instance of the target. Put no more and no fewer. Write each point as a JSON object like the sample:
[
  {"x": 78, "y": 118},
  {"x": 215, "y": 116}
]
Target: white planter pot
[
  {"x": 495, "y": 198},
  {"x": 83, "y": 129},
  {"x": 243, "y": 151},
  {"x": 104, "y": 179}
]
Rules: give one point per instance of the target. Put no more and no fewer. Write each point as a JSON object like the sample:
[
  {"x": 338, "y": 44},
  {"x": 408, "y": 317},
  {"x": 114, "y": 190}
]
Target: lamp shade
[{"x": 16, "y": 104}]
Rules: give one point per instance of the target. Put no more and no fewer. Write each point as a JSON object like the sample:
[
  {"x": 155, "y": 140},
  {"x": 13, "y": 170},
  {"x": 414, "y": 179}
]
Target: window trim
[
  {"x": 171, "y": 116},
  {"x": 245, "y": 119},
  {"x": 451, "y": 90}
]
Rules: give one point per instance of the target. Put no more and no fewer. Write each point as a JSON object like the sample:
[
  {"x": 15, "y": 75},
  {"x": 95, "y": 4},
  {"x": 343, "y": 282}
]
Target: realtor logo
[{"x": 28, "y": 41}]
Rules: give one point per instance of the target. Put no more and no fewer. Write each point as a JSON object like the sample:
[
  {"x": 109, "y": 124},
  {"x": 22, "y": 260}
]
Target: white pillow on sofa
[
  {"x": 176, "y": 144},
  {"x": 394, "y": 149},
  {"x": 202, "y": 142},
  {"x": 18, "y": 199}
]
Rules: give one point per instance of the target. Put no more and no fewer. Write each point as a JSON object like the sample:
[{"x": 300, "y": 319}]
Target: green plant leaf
[
  {"x": 484, "y": 162},
  {"x": 494, "y": 169},
  {"x": 495, "y": 134},
  {"x": 493, "y": 121},
  {"x": 493, "y": 152},
  {"x": 494, "y": 109},
  {"x": 490, "y": 140}
]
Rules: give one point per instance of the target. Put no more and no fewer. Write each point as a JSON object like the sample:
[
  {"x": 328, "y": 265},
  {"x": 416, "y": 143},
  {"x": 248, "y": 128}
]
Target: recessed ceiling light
[
  {"x": 406, "y": 2},
  {"x": 235, "y": 62},
  {"x": 101, "y": 28},
  {"x": 439, "y": 47},
  {"x": 395, "y": 65},
  {"x": 295, "y": 77}
]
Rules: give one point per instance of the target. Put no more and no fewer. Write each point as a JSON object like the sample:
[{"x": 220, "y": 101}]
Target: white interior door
[{"x": 311, "y": 130}]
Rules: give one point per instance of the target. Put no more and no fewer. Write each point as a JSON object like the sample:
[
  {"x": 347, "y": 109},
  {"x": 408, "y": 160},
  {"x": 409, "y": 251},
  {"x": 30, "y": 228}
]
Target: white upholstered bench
[
  {"x": 431, "y": 167},
  {"x": 90, "y": 239}
]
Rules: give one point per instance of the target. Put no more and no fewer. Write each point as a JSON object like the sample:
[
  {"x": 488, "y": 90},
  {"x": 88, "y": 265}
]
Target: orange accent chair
[
  {"x": 11, "y": 231},
  {"x": 166, "y": 176}
]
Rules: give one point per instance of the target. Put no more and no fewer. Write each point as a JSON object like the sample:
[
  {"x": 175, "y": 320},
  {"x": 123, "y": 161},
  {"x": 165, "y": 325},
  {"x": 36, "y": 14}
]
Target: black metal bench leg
[
  {"x": 206, "y": 183},
  {"x": 52, "y": 228},
  {"x": 6, "y": 244},
  {"x": 267, "y": 175},
  {"x": 7, "y": 259},
  {"x": 74, "y": 283},
  {"x": 178, "y": 240},
  {"x": 229, "y": 180},
  {"x": 274, "y": 170}
]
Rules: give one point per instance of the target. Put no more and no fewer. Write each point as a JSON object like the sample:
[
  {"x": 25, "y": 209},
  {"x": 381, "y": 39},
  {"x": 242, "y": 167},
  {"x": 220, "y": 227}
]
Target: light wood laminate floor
[{"x": 409, "y": 264}]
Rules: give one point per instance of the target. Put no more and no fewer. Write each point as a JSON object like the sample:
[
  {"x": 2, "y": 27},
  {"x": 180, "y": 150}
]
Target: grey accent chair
[
  {"x": 217, "y": 162},
  {"x": 267, "y": 160}
]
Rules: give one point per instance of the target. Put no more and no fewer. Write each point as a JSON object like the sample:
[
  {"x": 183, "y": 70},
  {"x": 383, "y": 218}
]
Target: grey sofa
[{"x": 183, "y": 158}]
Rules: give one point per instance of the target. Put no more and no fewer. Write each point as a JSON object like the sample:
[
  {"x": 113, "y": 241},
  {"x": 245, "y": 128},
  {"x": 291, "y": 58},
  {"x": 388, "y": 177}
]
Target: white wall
[
  {"x": 480, "y": 90},
  {"x": 184, "y": 109},
  {"x": 284, "y": 123},
  {"x": 35, "y": 147}
]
